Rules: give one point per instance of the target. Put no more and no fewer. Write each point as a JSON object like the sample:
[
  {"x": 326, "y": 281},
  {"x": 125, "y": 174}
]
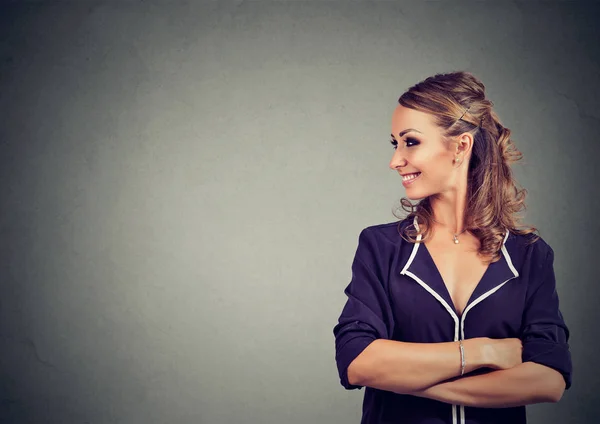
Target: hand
[{"x": 504, "y": 353}]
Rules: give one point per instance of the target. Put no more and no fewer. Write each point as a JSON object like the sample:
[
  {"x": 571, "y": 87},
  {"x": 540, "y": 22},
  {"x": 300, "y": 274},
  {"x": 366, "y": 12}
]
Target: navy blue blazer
[{"x": 397, "y": 293}]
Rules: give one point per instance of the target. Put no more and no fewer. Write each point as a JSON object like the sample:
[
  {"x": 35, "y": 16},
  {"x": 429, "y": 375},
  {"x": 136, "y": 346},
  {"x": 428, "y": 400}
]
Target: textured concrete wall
[{"x": 183, "y": 185}]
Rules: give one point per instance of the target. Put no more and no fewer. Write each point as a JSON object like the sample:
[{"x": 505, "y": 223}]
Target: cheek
[
  {"x": 437, "y": 174},
  {"x": 434, "y": 165}
]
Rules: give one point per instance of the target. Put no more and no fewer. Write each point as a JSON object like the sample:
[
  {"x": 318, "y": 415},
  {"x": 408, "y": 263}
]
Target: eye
[
  {"x": 414, "y": 141},
  {"x": 410, "y": 141}
]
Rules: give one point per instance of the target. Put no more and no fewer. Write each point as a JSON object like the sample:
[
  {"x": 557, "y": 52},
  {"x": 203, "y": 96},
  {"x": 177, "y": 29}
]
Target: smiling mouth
[{"x": 410, "y": 177}]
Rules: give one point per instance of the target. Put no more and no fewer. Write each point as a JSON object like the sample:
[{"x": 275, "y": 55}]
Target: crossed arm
[
  {"x": 366, "y": 355},
  {"x": 528, "y": 382},
  {"x": 429, "y": 370},
  {"x": 524, "y": 384}
]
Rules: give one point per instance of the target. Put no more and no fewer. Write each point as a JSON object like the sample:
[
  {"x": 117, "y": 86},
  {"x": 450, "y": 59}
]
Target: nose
[{"x": 397, "y": 161}]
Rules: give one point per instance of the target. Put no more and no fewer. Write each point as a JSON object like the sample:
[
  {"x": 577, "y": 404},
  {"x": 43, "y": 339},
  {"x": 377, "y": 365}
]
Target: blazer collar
[{"x": 421, "y": 267}]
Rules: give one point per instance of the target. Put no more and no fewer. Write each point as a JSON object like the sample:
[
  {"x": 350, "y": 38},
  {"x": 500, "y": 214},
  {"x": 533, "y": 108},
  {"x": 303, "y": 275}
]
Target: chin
[{"x": 414, "y": 196}]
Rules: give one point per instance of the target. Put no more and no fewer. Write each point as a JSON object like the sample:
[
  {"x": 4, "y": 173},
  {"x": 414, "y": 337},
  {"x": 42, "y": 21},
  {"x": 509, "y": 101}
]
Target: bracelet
[{"x": 462, "y": 358}]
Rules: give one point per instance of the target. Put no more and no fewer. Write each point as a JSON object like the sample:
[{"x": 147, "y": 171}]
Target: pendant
[{"x": 455, "y": 239}]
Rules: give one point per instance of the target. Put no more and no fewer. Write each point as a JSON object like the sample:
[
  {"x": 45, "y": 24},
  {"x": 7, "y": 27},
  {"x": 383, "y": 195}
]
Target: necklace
[{"x": 455, "y": 235}]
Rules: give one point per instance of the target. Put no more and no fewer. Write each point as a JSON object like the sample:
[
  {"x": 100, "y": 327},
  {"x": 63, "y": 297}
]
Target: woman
[{"x": 452, "y": 313}]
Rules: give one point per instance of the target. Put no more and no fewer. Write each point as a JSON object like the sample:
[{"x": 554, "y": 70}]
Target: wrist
[
  {"x": 477, "y": 353},
  {"x": 487, "y": 352}
]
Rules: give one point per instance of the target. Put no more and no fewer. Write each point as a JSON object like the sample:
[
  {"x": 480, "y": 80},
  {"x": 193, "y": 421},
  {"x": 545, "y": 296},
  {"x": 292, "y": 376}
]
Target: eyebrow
[{"x": 405, "y": 131}]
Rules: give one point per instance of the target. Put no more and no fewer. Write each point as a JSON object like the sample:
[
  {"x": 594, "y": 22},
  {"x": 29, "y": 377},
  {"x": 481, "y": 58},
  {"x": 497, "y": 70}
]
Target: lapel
[{"x": 421, "y": 268}]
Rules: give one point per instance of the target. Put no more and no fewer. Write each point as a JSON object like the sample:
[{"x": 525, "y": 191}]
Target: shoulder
[
  {"x": 536, "y": 254},
  {"x": 389, "y": 232},
  {"x": 531, "y": 242},
  {"x": 379, "y": 246},
  {"x": 382, "y": 243}
]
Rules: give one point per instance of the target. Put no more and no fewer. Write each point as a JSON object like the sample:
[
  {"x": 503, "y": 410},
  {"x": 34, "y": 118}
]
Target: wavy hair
[{"x": 494, "y": 198}]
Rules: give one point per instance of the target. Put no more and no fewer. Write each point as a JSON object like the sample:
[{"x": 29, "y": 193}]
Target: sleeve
[
  {"x": 367, "y": 314},
  {"x": 545, "y": 335}
]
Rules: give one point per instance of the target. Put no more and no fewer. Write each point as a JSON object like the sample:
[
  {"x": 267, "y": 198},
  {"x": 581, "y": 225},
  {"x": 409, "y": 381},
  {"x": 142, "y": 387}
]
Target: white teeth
[{"x": 410, "y": 176}]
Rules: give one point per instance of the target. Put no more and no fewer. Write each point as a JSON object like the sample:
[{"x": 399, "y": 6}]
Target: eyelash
[{"x": 408, "y": 139}]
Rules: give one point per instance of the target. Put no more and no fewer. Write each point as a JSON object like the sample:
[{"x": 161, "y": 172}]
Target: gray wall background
[{"x": 183, "y": 185}]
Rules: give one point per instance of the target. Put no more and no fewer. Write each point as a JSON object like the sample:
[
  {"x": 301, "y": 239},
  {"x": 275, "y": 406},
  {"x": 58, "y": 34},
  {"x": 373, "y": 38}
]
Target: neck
[{"x": 448, "y": 210}]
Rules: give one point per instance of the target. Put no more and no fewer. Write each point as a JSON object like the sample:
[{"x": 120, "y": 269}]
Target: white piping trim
[
  {"x": 475, "y": 302},
  {"x": 509, "y": 261},
  {"x": 449, "y": 309},
  {"x": 439, "y": 299},
  {"x": 412, "y": 255},
  {"x": 429, "y": 289},
  {"x": 482, "y": 297},
  {"x": 490, "y": 292}
]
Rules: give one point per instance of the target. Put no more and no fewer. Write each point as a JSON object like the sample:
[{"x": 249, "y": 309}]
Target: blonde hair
[{"x": 493, "y": 198}]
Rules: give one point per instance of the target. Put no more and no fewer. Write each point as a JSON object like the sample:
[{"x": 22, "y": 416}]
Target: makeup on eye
[{"x": 412, "y": 140}]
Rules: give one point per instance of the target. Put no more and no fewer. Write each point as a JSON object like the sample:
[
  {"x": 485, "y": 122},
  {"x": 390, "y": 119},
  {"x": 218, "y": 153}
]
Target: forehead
[{"x": 404, "y": 118}]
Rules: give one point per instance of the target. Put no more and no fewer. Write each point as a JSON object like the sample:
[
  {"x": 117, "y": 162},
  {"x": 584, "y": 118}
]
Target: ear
[{"x": 464, "y": 143}]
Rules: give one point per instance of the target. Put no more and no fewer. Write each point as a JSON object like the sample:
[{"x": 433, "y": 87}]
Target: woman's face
[{"x": 419, "y": 148}]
